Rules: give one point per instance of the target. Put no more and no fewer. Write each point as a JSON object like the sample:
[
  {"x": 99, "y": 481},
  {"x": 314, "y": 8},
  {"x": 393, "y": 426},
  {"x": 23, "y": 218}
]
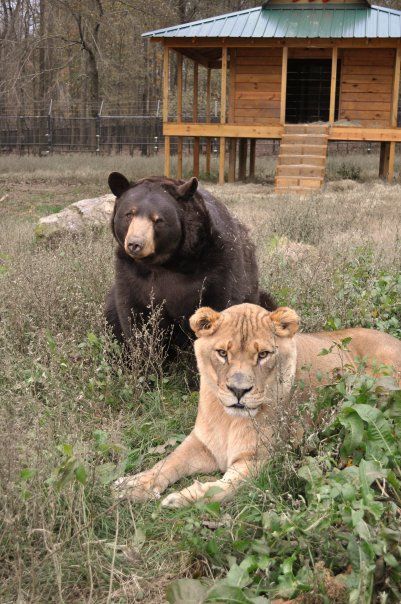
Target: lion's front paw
[
  {"x": 140, "y": 487},
  {"x": 195, "y": 492}
]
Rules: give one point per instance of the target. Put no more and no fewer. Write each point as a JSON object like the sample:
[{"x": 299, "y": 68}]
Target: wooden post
[
  {"x": 179, "y": 113},
  {"x": 231, "y": 117},
  {"x": 232, "y": 160},
  {"x": 387, "y": 157},
  {"x": 396, "y": 88},
  {"x": 333, "y": 86},
  {"x": 195, "y": 119},
  {"x": 208, "y": 109},
  {"x": 166, "y": 73},
  {"x": 243, "y": 154},
  {"x": 283, "y": 94},
  {"x": 223, "y": 113},
  {"x": 252, "y": 158}
]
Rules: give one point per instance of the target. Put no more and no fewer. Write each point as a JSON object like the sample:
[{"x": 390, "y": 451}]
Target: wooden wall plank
[{"x": 365, "y": 75}]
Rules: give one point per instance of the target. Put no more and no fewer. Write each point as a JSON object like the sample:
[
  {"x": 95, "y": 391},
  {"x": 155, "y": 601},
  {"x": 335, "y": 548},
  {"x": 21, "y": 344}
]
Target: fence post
[
  {"x": 49, "y": 134},
  {"x": 98, "y": 127}
]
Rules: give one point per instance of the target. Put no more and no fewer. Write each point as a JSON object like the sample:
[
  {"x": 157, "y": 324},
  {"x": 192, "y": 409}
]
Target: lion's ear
[
  {"x": 285, "y": 321},
  {"x": 204, "y": 322}
]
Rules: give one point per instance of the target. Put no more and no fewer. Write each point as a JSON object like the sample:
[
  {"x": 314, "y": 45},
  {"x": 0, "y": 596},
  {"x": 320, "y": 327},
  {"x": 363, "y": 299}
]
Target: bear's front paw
[{"x": 140, "y": 487}]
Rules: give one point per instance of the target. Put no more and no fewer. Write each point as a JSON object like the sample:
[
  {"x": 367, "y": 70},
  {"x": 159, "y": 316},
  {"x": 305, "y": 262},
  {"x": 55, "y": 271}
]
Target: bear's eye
[
  {"x": 158, "y": 220},
  {"x": 222, "y": 353},
  {"x": 263, "y": 354}
]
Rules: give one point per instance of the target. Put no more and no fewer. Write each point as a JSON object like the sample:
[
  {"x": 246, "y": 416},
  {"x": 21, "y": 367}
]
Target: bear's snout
[{"x": 136, "y": 245}]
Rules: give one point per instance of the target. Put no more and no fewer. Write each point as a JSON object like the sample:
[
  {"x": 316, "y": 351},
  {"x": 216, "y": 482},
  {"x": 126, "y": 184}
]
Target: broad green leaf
[
  {"x": 237, "y": 577},
  {"x": 227, "y": 593},
  {"x": 186, "y": 591},
  {"x": 81, "y": 474},
  {"x": 355, "y": 427}
]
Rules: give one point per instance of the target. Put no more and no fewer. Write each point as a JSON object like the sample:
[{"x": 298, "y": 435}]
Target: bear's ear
[
  {"x": 185, "y": 191},
  {"x": 285, "y": 321},
  {"x": 205, "y": 321},
  {"x": 118, "y": 183}
]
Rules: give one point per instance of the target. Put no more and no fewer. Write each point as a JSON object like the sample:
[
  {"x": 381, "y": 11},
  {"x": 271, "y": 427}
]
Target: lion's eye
[
  {"x": 263, "y": 354},
  {"x": 222, "y": 353}
]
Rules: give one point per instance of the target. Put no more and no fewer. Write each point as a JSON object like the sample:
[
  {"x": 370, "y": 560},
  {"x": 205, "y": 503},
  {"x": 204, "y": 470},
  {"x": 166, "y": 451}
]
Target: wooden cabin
[{"x": 303, "y": 72}]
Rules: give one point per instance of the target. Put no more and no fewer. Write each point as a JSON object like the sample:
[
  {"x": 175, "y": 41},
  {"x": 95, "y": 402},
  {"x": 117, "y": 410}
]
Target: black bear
[{"x": 180, "y": 248}]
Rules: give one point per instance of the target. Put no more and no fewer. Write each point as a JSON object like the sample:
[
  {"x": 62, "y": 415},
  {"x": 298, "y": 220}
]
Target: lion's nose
[{"x": 239, "y": 392}]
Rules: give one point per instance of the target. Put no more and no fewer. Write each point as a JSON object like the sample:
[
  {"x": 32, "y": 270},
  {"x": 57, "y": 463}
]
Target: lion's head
[{"x": 246, "y": 354}]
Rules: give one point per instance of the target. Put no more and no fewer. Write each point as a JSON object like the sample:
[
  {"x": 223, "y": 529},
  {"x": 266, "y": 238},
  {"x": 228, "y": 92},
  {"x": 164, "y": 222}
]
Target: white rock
[{"x": 76, "y": 217}]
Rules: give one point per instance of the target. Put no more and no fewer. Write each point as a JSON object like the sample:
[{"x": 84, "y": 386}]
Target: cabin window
[{"x": 308, "y": 91}]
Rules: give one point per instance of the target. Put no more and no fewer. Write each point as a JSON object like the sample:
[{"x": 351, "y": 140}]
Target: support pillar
[
  {"x": 252, "y": 158},
  {"x": 387, "y": 158},
  {"x": 166, "y": 75},
  {"x": 242, "y": 159},
  {"x": 208, "y": 109},
  {"x": 232, "y": 160},
  {"x": 333, "y": 85},
  {"x": 283, "y": 94},
  {"x": 179, "y": 114},
  {"x": 195, "y": 119},
  {"x": 223, "y": 113}
]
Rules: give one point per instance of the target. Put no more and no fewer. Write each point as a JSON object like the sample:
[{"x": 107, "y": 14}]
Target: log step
[
  {"x": 311, "y": 182},
  {"x": 302, "y": 159},
  {"x": 311, "y": 160},
  {"x": 306, "y": 139},
  {"x": 306, "y": 129},
  {"x": 301, "y": 170}
]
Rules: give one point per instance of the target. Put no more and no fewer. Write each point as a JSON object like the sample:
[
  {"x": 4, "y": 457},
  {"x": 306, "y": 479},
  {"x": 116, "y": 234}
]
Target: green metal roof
[{"x": 293, "y": 21}]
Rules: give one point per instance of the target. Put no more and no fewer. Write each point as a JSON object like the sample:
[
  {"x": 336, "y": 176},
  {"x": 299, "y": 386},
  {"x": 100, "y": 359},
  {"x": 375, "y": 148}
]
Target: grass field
[{"x": 73, "y": 416}]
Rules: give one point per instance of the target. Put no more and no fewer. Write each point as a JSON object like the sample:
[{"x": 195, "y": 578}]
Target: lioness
[{"x": 249, "y": 360}]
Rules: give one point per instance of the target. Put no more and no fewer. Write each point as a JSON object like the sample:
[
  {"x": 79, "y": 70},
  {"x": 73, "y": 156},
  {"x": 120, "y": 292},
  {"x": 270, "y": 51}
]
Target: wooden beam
[
  {"x": 222, "y": 160},
  {"x": 231, "y": 95},
  {"x": 223, "y": 108},
  {"x": 223, "y": 102},
  {"x": 179, "y": 113},
  {"x": 336, "y": 133},
  {"x": 279, "y": 42},
  {"x": 387, "y": 157},
  {"x": 232, "y": 160},
  {"x": 354, "y": 133},
  {"x": 333, "y": 85},
  {"x": 243, "y": 153},
  {"x": 396, "y": 89},
  {"x": 283, "y": 94},
  {"x": 195, "y": 119},
  {"x": 208, "y": 111},
  {"x": 218, "y": 130},
  {"x": 166, "y": 75},
  {"x": 167, "y": 151},
  {"x": 252, "y": 158}
]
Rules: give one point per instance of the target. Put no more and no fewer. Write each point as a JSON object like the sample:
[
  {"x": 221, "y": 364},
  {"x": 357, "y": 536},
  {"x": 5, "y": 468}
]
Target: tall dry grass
[{"x": 73, "y": 415}]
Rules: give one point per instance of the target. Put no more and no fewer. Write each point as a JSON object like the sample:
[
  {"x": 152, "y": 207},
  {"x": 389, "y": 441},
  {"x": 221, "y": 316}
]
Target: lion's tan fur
[{"x": 264, "y": 352}]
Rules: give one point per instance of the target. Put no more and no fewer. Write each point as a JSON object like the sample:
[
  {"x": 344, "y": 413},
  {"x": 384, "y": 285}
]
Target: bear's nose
[
  {"x": 239, "y": 392},
  {"x": 135, "y": 246}
]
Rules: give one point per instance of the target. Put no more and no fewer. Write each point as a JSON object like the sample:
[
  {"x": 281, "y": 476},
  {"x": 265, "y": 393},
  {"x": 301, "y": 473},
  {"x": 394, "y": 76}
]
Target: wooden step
[
  {"x": 302, "y": 149},
  {"x": 295, "y": 190},
  {"x": 311, "y": 160},
  {"x": 306, "y": 129},
  {"x": 306, "y": 139},
  {"x": 310, "y": 182},
  {"x": 300, "y": 170},
  {"x": 302, "y": 159}
]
